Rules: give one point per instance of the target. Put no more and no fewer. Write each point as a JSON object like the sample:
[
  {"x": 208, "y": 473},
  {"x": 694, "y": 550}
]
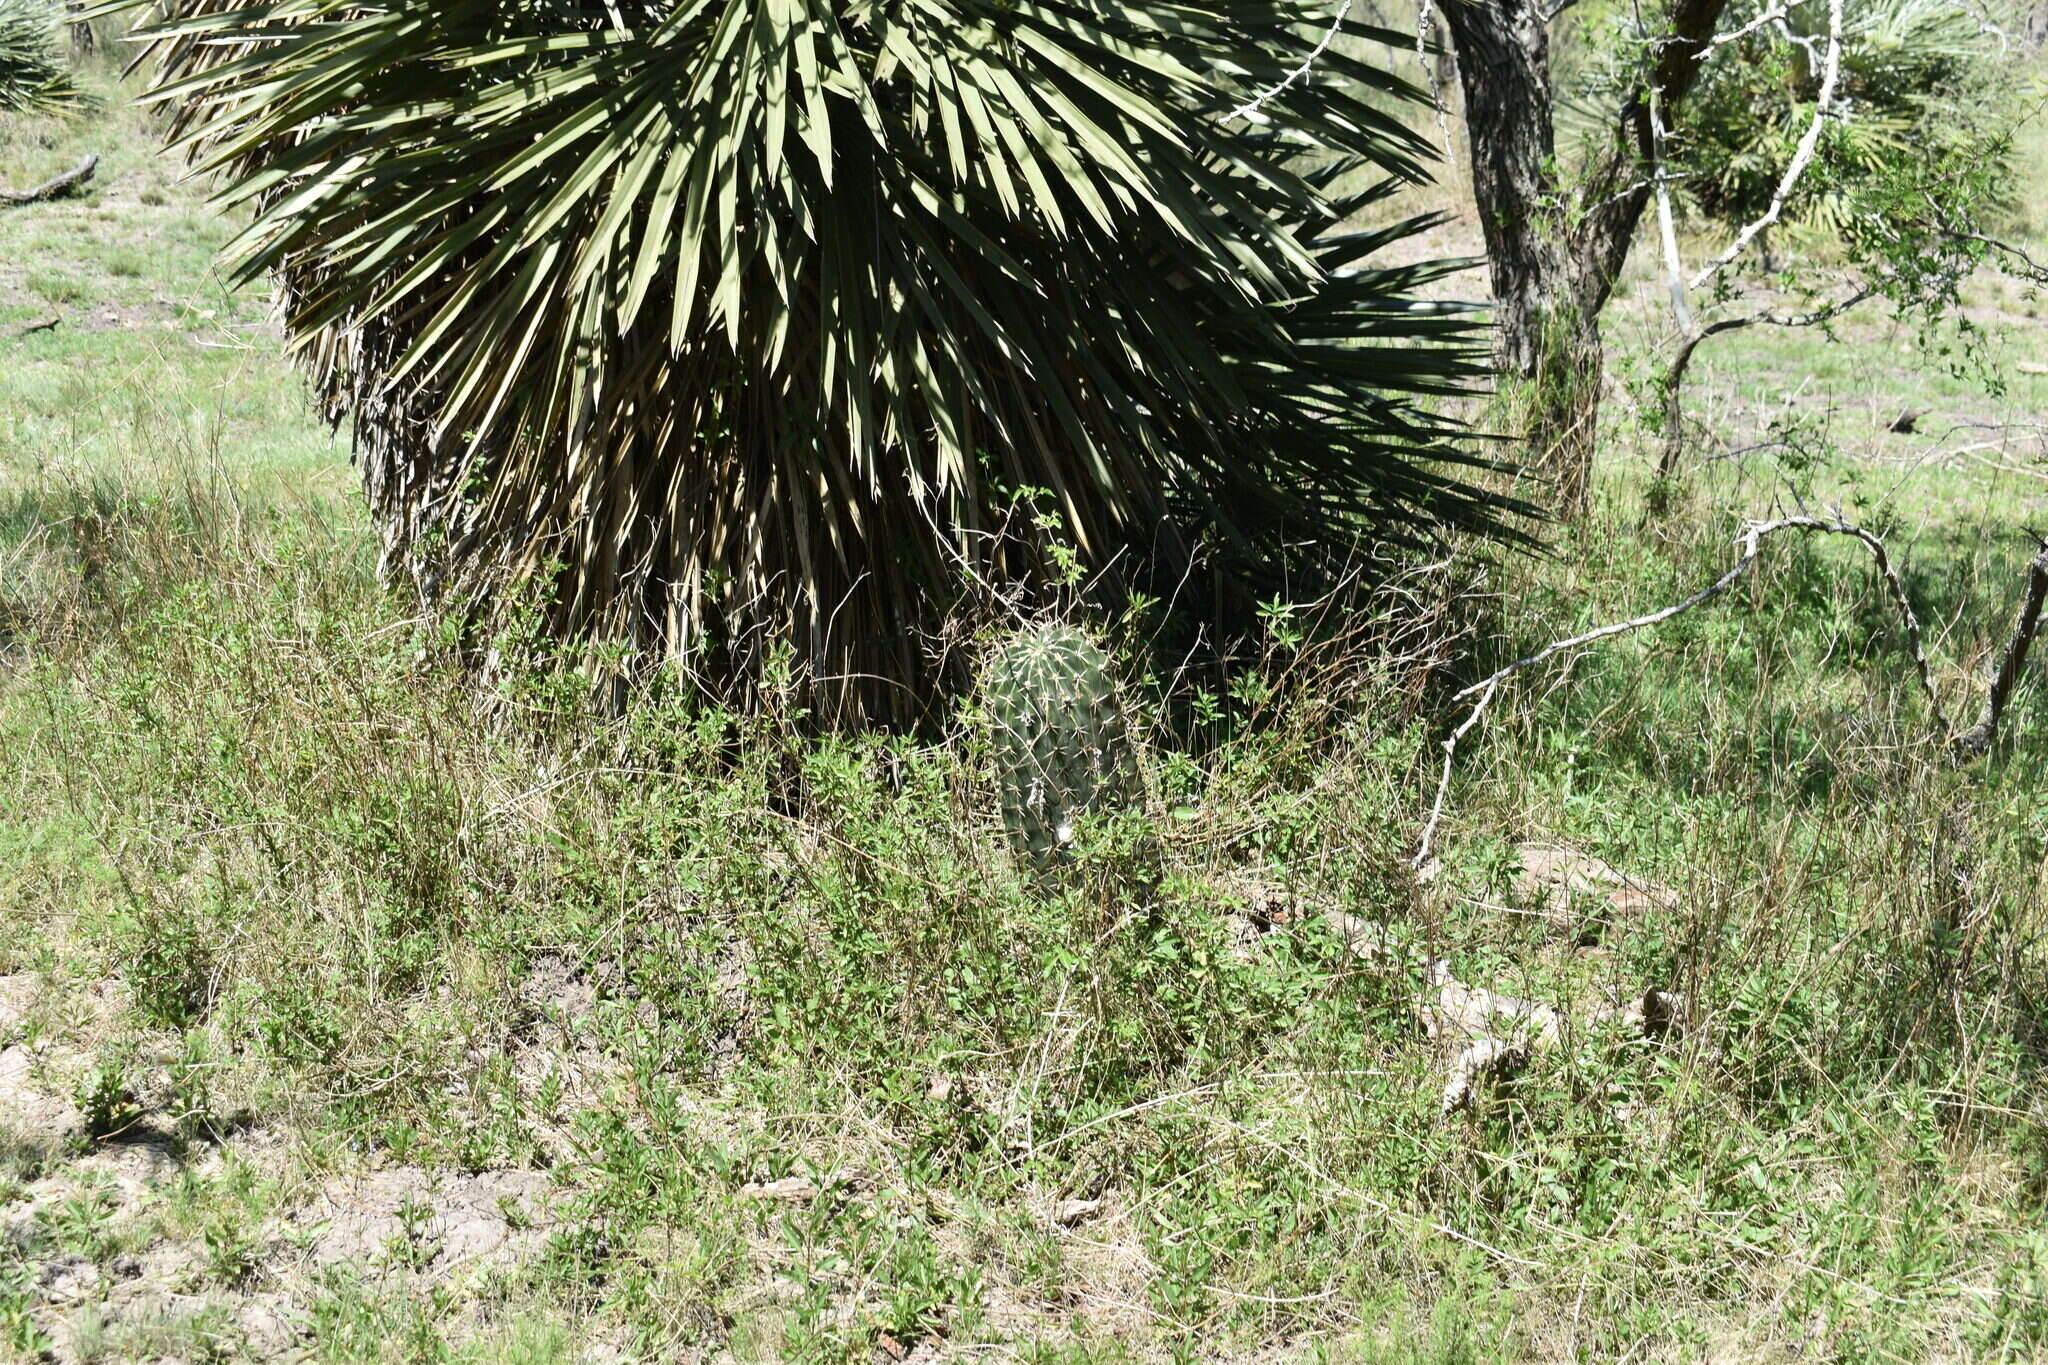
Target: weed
[{"x": 105, "y": 1100}]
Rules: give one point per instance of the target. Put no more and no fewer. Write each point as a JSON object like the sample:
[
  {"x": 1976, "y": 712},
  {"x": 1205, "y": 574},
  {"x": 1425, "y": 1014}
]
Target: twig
[
  {"x": 1425, "y": 20},
  {"x": 1674, "y": 378},
  {"x": 1802, "y": 156},
  {"x": 1764, "y": 20},
  {"x": 53, "y": 189},
  {"x": 1251, "y": 107},
  {"x": 1751, "y": 540},
  {"x": 2028, "y": 267}
]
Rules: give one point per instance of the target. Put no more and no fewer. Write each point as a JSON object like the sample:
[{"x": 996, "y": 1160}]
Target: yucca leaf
[
  {"x": 33, "y": 73},
  {"x": 741, "y": 324}
]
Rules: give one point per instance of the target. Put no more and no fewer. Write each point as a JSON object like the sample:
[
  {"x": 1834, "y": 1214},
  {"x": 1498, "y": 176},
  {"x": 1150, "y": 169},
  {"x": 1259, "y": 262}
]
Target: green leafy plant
[
  {"x": 18, "y": 1329},
  {"x": 233, "y": 1252},
  {"x": 727, "y": 323},
  {"x": 33, "y": 74},
  {"x": 105, "y": 1099},
  {"x": 167, "y": 962}
]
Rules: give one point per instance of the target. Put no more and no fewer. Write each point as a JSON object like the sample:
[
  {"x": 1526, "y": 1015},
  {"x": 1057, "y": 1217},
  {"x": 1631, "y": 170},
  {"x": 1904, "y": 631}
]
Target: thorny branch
[
  {"x": 1251, "y": 107},
  {"x": 1425, "y": 21}
]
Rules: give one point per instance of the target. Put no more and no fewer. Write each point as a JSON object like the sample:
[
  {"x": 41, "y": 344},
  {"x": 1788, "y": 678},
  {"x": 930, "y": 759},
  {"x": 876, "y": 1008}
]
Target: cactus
[{"x": 1062, "y": 741}]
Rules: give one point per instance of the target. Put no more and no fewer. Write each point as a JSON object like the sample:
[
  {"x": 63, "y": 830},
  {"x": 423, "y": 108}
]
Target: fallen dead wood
[
  {"x": 67, "y": 183},
  {"x": 1497, "y": 1033}
]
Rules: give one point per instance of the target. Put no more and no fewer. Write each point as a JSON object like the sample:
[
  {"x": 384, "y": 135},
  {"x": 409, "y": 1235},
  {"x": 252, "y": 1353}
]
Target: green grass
[{"x": 364, "y": 907}]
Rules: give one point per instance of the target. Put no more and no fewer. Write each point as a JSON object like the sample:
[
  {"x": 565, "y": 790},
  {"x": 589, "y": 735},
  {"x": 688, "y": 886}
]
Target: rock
[
  {"x": 1473, "y": 1012},
  {"x": 18, "y": 996},
  {"x": 1489, "y": 1059},
  {"x": 1364, "y": 938},
  {"x": 446, "y": 1221},
  {"x": 68, "y": 1279},
  {"x": 1071, "y": 1211},
  {"x": 1553, "y": 876},
  {"x": 795, "y": 1189}
]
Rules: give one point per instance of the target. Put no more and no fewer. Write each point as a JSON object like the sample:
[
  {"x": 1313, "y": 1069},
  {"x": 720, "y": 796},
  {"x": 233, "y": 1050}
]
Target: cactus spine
[{"x": 1062, "y": 741}]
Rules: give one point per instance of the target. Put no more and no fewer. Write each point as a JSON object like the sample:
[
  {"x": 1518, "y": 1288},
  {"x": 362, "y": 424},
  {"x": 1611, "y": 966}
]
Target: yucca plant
[
  {"x": 33, "y": 74},
  {"x": 736, "y": 324}
]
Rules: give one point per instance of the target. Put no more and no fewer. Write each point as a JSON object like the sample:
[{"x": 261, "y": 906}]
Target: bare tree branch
[
  {"x": 1674, "y": 378},
  {"x": 1802, "y": 155},
  {"x": 1764, "y": 20},
  {"x": 1751, "y": 541},
  {"x": 1250, "y": 108},
  {"x": 1667, "y": 228},
  {"x": 2027, "y": 266},
  {"x": 1976, "y": 741},
  {"x": 1425, "y": 20}
]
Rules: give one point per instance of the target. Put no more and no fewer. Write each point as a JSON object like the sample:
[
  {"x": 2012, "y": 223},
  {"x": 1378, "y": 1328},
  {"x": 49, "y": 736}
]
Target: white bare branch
[
  {"x": 1482, "y": 693},
  {"x": 1802, "y": 155},
  {"x": 1250, "y": 109},
  {"x": 1774, "y": 14},
  {"x": 1425, "y": 20},
  {"x": 1667, "y": 228}
]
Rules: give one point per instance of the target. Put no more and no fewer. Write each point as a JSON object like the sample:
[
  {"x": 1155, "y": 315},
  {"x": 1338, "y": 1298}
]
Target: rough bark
[
  {"x": 84, "y": 41},
  {"x": 1504, "y": 64},
  {"x": 1555, "y": 251}
]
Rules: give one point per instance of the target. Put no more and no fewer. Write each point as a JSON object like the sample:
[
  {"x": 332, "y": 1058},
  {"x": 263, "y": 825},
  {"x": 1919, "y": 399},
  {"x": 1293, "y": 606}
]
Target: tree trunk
[
  {"x": 83, "y": 40},
  {"x": 1554, "y": 255}
]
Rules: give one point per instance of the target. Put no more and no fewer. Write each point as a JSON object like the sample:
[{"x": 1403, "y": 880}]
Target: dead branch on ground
[
  {"x": 1498, "y": 1034},
  {"x": 57, "y": 188}
]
